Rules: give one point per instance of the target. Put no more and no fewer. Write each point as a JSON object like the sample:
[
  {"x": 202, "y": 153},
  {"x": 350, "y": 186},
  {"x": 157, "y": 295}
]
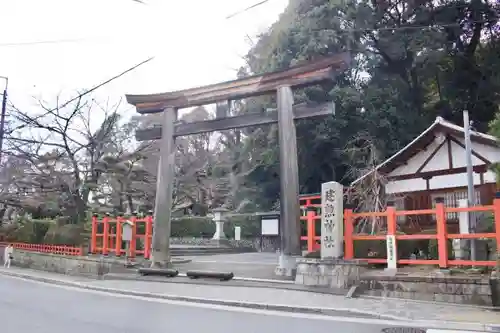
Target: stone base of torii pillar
[{"x": 287, "y": 266}]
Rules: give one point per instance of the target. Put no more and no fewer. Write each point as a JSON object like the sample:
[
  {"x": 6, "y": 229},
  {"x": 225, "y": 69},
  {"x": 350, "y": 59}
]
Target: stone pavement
[
  {"x": 255, "y": 265},
  {"x": 284, "y": 300}
]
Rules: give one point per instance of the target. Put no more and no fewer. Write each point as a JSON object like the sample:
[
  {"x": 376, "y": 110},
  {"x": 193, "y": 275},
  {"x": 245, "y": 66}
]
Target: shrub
[
  {"x": 26, "y": 230},
  {"x": 69, "y": 234},
  {"x": 250, "y": 226},
  {"x": 205, "y": 226},
  {"x": 192, "y": 227}
]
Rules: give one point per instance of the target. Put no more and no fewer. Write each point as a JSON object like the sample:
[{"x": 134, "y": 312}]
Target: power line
[
  {"x": 246, "y": 9},
  {"x": 57, "y": 41},
  {"x": 104, "y": 83},
  {"x": 87, "y": 92}
]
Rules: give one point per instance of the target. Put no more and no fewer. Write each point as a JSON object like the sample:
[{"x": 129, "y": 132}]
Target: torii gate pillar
[{"x": 289, "y": 185}]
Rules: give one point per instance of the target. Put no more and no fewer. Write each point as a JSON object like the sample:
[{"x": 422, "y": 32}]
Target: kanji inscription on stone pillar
[{"x": 332, "y": 224}]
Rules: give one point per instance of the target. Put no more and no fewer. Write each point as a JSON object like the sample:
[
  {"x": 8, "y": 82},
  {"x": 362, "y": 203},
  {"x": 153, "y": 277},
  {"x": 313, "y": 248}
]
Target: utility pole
[
  {"x": 2, "y": 116},
  {"x": 470, "y": 181}
]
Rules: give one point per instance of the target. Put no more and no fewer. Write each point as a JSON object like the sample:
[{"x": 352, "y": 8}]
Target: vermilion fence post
[
  {"x": 311, "y": 228},
  {"x": 442, "y": 234},
  {"x": 391, "y": 221},
  {"x": 118, "y": 236},
  {"x": 105, "y": 235},
  {"x": 93, "y": 239},
  {"x": 391, "y": 242},
  {"x": 148, "y": 236},
  {"x": 133, "y": 241},
  {"x": 496, "y": 212},
  {"x": 348, "y": 232}
]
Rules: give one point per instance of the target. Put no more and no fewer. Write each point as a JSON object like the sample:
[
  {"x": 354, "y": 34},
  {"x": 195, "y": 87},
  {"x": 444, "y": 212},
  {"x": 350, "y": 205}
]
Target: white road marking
[
  {"x": 405, "y": 323},
  {"x": 238, "y": 278},
  {"x": 255, "y": 263},
  {"x": 433, "y": 330},
  {"x": 264, "y": 280}
]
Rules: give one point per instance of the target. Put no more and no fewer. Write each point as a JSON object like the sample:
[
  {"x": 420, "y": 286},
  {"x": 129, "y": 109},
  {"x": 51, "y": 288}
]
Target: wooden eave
[
  {"x": 405, "y": 155},
  {"x": 297, "y": 76},
  {"x": 426, "y": 140},
  {"x": 421, "y": 143}
]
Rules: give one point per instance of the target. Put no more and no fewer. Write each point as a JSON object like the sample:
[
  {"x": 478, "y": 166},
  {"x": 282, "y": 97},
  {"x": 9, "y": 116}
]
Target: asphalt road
[
  {"x": 35, "y": 307},
  {"x": 261, "y": 258},
  {"x": 251, "y": 265}
]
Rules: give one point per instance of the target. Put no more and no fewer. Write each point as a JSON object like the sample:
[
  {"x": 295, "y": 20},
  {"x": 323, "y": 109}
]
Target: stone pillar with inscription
[
  {"x": 331, "y": 270},
  {"x": 332, "y": 220}
]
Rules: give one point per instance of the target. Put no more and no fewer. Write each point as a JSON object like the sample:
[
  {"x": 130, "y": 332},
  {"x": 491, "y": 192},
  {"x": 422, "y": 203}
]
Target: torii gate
[{"x": 281, "y": 83}]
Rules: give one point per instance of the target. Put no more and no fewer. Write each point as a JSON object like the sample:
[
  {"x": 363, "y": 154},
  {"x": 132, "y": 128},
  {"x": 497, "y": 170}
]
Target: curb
[
  {"x": 470, "y": 306},
  {"x": 263, "y": 306},
  {"x": 245, "y": 282}
]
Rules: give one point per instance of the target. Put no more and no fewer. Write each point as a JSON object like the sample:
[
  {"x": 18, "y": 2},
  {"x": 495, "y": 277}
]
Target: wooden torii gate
[{"x": 281, "y": 83}]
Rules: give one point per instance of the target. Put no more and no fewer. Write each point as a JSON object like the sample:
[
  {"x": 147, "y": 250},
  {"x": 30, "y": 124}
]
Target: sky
[{"x": 192, "y": 41}]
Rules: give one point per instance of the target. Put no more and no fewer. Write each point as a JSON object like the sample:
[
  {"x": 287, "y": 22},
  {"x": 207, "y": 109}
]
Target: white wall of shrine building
[{"x": 434, "y": 164}]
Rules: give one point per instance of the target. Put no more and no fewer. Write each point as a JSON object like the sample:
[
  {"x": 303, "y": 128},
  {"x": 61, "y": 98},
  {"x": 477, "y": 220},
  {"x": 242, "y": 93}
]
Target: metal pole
[
  {"x": 2, "y": 116},
  {"x": 470, "y": 181}
]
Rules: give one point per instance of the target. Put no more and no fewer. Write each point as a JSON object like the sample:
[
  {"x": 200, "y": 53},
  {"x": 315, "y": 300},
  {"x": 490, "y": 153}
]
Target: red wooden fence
[
  {"x": 310, "y": 206},
  {"x": 441, "y": 235},
  {"x": 47, "y": 248},
  {"x": 107, "y": 235}
]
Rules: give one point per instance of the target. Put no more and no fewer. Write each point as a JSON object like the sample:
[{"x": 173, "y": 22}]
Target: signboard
[
  {"x": 237, "y": 233},
  {"x": 127, "y": 231},
  {"x": 269, "y": 227},
  {"x": 392, "y": 260},
  {"x": 332, "y": 220}
]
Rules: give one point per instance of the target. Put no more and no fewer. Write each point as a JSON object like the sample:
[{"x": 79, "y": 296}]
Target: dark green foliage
[
  {"x": 402, "y": 77},
  {"x": 205, "y": 227}
]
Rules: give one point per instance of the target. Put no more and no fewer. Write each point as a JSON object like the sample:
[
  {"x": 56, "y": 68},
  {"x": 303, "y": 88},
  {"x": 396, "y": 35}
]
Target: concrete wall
[
  {"x": 77, "y": 266},
  {"x": 330, "y": 273},
  {"x": 451, "y": 289}
]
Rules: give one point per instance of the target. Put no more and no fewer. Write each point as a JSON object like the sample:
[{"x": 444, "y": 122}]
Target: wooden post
[
  {"x": 348, "y": 232},
  {"x": 442, "y": 234},
  {"x": 133, "y": 241},
  {"x": 289, "y": 184},
  {"x": 311, "y": 228},
  {"x": 105, "y": 235},
  {"x": 164, "y": 188},
  {"x": 118, "y": 236},
  {"x": 147, "y": 236},
  {"x": 93, "y": 241},
  {"x": 392, "y": 249},
  {"x": 496, "y": 212}
]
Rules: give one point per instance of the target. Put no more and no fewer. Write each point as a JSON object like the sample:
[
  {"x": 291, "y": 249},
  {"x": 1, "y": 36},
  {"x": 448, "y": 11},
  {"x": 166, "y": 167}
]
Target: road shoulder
[{"x": 439, "y": 316}]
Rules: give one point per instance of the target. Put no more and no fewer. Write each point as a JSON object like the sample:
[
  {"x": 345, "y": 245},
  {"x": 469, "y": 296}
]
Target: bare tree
[
  {"x": 195, "y": 157},
  {"x": 63, "y": 147},
  {"x": 233, "y": 165},
  {"x": 368, "y": 194}
]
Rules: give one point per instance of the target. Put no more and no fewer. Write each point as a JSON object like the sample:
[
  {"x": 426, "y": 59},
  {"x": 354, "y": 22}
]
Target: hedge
[{"x": 205, "y": 227}]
